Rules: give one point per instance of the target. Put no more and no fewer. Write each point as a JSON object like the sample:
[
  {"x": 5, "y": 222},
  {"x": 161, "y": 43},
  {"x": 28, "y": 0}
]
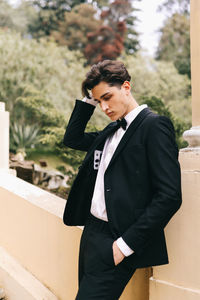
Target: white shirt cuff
[
  {"x": 125, "y": 249},
  {"x": 90, "y": 101}
]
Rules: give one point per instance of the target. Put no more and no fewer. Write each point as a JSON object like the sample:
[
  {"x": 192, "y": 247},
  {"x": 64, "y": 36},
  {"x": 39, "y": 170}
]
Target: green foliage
[
  {"x": 18, "y": 18},
  {"x": 174, "y": 44},
  {"x": 53, "y": 137},
  {"x": 40, "y": 81},
  {"x": 131, "y": 43},
  {"x": 33, "y": 107},
  {"x": 54, "y": 71},
  {"x": 72, "y": 157},
  {"x": 57, "y": 73},
  {"x": 158, "y": 106},
  {"x": 71, "y": 21},
  {"x": 180, "y": 6},
  {"x": 160, "y": 78},
  {"x": 6, "y": 12},
  {"x": 50, "y": 13},
  {"x": 23, "y": 137},
  {"x": 100, "y": 3},
  {"x": 72, "y": 31},
  {"x": 62, "y": 169},
  {"x": 48, "y": 68}
]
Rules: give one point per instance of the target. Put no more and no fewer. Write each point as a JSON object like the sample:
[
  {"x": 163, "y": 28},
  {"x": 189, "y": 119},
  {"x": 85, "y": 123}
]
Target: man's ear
[{"x": 126, "y": 85}]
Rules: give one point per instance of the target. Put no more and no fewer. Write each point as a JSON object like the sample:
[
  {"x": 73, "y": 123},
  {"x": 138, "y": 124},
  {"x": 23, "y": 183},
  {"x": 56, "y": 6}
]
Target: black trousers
[{"x": 99, "y": 278}]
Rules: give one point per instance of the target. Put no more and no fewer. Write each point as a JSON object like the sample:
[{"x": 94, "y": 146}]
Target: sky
[
  {"x": 148, "y": 25},
  {"x": 150, "y": 22}
]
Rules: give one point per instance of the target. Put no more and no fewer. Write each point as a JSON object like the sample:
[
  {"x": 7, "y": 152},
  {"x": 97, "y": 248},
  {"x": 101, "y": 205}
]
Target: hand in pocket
[{"x": 118, "y": 256}]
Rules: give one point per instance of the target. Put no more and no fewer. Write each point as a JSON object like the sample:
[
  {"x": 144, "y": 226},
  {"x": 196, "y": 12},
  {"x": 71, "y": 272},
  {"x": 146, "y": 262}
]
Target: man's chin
[{"x": 113, "y": 117}]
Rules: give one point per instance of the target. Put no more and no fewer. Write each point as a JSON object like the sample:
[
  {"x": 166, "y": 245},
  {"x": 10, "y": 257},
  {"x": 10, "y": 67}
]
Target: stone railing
[{"x": 38, "y": 253}]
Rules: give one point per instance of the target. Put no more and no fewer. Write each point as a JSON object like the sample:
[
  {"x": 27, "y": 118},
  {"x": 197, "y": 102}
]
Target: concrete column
[
  {"x": 192, "y": 136},
  {"x": 4, "y": 137},
  {"x": 179, "y": 280}
]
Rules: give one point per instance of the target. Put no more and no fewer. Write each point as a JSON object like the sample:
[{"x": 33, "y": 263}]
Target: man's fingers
[{"x": 117, "y": 254}]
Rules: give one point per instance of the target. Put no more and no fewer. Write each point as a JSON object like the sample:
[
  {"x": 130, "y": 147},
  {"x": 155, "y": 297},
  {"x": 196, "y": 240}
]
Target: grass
[{"x": 52, "y": 159}]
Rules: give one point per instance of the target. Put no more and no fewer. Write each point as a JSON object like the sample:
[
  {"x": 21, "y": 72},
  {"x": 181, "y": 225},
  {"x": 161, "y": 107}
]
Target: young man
[{"x": 128, "y": 186}]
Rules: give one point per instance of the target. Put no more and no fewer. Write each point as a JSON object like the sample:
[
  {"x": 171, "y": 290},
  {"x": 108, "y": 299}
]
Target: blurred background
[{"x": 46, "y": 48}]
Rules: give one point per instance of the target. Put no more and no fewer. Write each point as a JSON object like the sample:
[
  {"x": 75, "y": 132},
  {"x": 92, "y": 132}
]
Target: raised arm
[{"x": 75, "y": 136}]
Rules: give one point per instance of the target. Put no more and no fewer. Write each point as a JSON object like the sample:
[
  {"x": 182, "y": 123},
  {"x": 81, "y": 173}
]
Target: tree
[
  {"x": 17, "y": 18},
  {"x": 33, "y": 107},
  {"x": 50, "y": 13},
  {"x": 105, "y": 43},
  {"x": 109, "y": 40},
  {"x": 68, "y": 22},
  {"x": 174, "y": 44},
  {"x": 158, "y": 106},
  {"x": 123, "y": 11},
  {"x": 6, "y": 11},
  {"x": 161, "y": 79},
  {"x": 58, "y": 73},
  {"x": 181, "y": 7},
  {"x": 55, "y": 71},
  {"x": 72, "y": 31},
  {"x": 43, "y": 65},
  {"x": 33, "y": 114},
  {"x": 36, "y": 121},
  {"x": 131, "y": 43}
]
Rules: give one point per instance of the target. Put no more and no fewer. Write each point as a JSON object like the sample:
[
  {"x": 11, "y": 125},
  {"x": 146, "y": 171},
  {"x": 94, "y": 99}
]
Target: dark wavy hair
[{"x": 110, "y": 71}]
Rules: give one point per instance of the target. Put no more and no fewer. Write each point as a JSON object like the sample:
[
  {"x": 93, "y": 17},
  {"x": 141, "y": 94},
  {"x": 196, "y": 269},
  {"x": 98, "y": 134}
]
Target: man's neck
[{"x": 133, "y": 105}]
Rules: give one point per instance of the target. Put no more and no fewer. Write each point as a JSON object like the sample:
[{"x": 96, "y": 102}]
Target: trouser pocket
[
  {"x": 98, "y": 252},
  {"x": 107, "y": 252}
]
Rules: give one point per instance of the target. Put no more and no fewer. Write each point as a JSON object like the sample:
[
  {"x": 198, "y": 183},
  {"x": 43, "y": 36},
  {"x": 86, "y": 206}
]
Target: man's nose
[{"x": 104, "y": 106}]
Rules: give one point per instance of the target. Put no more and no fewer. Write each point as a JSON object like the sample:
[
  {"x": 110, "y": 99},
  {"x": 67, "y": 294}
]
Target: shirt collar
[{"x": 133, "y": 114}]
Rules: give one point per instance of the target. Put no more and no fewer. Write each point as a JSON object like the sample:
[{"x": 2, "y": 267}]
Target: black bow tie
[{"x": 122, "y": 123}]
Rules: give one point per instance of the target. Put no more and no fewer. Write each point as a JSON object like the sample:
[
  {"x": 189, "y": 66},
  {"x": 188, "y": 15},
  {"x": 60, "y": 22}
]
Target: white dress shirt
[{"x": 98, "y": 207}]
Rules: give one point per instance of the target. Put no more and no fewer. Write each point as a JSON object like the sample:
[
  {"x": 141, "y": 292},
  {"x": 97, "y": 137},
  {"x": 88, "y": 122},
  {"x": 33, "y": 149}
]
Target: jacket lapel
[
  {"x": 100, "y": 141},
  {"x": 130, "y": 131}
]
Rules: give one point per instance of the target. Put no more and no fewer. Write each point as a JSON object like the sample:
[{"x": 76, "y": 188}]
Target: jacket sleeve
[
  {"x": 75, "y": 136},
  {"x": 162, "y": 153}
]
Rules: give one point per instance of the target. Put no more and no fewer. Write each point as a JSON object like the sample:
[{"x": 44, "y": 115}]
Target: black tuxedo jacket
[{"x": 142, "y": 181}]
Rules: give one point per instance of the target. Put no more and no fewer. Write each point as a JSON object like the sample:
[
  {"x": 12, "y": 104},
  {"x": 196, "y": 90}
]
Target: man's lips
[{"x": 109, "y": 114}]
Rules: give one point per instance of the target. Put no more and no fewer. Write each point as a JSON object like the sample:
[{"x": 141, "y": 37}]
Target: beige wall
[
  {"x": 195, "y": 60},
  {"x": 32, "y": 231},
  {"x": 181, "y": 278}
]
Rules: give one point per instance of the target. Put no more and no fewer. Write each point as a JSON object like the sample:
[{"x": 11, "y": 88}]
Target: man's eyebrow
[{"x": 102, "y": 96}]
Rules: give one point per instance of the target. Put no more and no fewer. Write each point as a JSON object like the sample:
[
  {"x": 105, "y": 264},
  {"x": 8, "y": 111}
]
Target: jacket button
[{"x": 108, "y": 190}]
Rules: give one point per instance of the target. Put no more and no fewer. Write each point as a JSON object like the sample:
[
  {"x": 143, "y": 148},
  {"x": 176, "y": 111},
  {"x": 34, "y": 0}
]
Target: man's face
[{"x": 113, "y": 100}]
